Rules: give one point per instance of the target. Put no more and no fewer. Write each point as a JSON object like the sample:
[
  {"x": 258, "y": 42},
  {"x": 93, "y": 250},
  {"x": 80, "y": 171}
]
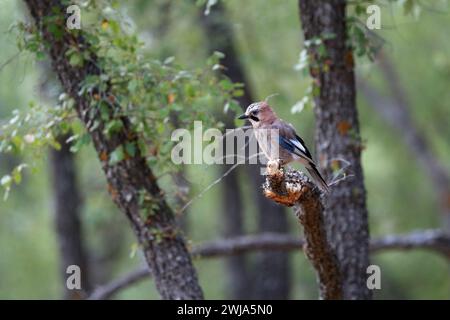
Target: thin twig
[
  {"x": 9, "y": 60},
  {"x": 218, "y": 180}
]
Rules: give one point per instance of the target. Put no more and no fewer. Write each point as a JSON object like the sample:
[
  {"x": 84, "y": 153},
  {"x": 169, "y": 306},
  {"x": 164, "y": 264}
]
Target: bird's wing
[{"x": 290, "y": 141}]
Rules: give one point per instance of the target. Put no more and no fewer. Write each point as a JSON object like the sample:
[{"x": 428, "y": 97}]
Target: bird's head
[{"x": 259, "y": 112}]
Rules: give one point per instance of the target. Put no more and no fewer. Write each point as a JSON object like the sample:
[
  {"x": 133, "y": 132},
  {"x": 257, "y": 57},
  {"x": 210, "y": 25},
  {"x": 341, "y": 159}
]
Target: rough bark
[
  {"x": 337, "y": 137},
  {"x": 167, "y": 257},
  {"x": 292, "y": 188},
  {"x": 271, "y": 270},
  {"x": 67, "y": 216}
]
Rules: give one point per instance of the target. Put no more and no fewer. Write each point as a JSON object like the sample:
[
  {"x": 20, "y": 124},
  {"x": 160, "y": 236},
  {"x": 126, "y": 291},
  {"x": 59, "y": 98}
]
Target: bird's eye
[{"x": 255, "y": 112}]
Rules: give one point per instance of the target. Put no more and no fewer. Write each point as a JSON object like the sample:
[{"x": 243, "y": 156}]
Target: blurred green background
[{"x": 268, "y": 34}]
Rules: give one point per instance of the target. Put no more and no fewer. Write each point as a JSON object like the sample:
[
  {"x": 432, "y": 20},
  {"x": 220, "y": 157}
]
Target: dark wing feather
[
  {"x": 306, "y": 152},
  {"x": 290, "y": 141},
  {"x": 291, "y": 146}
]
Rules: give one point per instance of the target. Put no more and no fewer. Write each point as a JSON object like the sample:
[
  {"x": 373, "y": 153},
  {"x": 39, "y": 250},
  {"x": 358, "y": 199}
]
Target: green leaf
[
  {"x": 17, "y": 173},
  {"x": 226, "y": 84},
  {"x": 408, "y": 6},
  {"x": 55, "y": 29},
  {"x": 315, "y": 91},
  {"x": 115, "y": 27},
  {"x": 190, "y": 90},
  {"x": 6, "y": 181},
  {"x": 226, "y": 107},
  {"x": 17, "y": 142},
  {"x": 238, "y": 93},
  {"x": 40, "y": 55},
  {"x": 164, "y": 112},
  {"x": 209, "y": 5},
  {"x": 76, "y": 60},
  {"x": 322, "y": 50},
  {"x": 130, "y": 148},
  {"x": 234, "y": 106},
  {"x": 219, "y": 54},
  {"x": 133, "y": 250},
  {"x": 302, "y": 60},
  {"x": 14, "y": 119},
  {"x": 215, "y": 58},
  {"x": 300, "y": 105},
  {"x": 104, "y": 111},
  {"x": 117, "y": 155},
  {"x": 152, "y": 161},
  {"x": 169, "y": 60},
  {"x": 360, "y": 9},
  {"x": 80, "y": 142},
  {"x": 132, "y": 86},
  {"x": 113, "y": 126}
]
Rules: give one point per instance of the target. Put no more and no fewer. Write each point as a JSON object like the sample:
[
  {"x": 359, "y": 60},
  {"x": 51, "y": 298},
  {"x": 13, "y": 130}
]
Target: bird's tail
[{"x": 317, "y": 177}]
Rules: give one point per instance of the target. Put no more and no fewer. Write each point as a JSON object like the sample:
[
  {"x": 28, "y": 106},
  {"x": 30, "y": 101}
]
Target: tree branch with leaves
[{"x": 123, "y": 108}]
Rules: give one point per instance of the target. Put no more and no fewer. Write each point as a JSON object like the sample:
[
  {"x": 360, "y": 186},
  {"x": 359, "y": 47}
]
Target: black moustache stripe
[{"x": 254, "y": 118}]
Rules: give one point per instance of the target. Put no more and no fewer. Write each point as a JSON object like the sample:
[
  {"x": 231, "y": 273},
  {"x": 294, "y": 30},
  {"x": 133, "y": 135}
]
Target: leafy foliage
[
  {"x": 32, "y": 131},
  {"x": 156, "y": 96}
]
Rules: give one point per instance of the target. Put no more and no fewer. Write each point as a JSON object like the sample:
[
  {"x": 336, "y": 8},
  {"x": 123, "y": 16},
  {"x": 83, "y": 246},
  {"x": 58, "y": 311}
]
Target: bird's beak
[{"x": 243, "y": 116}]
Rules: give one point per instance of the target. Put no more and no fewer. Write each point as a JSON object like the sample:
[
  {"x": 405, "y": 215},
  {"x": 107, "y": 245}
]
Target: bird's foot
[{"x": 285, "y": 186}]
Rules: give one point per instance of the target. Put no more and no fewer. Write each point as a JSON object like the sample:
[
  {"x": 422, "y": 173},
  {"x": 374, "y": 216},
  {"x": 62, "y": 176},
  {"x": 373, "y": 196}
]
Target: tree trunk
[
  {"x": 67, "y": 207},
  {"x": 239, "y": 283},
  {"x": 271, "y": 270},
  {"x": 337, "y": 137},
  {"x": 175, "y": 278}
]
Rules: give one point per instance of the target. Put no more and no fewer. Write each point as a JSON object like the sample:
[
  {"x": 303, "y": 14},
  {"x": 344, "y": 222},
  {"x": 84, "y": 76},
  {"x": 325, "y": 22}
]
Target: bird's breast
[{"x": 268, "y": 140}]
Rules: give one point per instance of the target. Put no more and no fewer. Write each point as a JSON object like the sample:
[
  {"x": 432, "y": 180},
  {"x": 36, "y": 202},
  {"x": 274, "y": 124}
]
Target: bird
[{"x": 279, "y": 141}]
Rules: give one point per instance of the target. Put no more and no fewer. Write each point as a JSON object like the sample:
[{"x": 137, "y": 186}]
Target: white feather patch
[{"x": 298, "y": 145}]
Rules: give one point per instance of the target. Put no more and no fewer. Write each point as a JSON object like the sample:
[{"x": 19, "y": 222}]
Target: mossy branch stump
[{"x": 293, "y": 189}]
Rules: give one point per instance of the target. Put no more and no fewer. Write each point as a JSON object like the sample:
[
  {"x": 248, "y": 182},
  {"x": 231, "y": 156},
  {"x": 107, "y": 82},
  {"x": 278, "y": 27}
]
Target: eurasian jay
[{"x": 279, "y": 141}]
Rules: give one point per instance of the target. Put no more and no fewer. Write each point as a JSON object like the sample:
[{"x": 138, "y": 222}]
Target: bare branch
[
  {"x": 248, "y": 243},
  {"x": 110, "y": 289},
  {"x": 292, "y": 188},
  {"x": 433, "y": 239}
]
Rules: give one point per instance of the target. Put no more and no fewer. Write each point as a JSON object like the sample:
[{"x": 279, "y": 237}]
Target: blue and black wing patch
[
  {"x": 295, "y": 146},
  {"x": 305, "y": 149}
]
